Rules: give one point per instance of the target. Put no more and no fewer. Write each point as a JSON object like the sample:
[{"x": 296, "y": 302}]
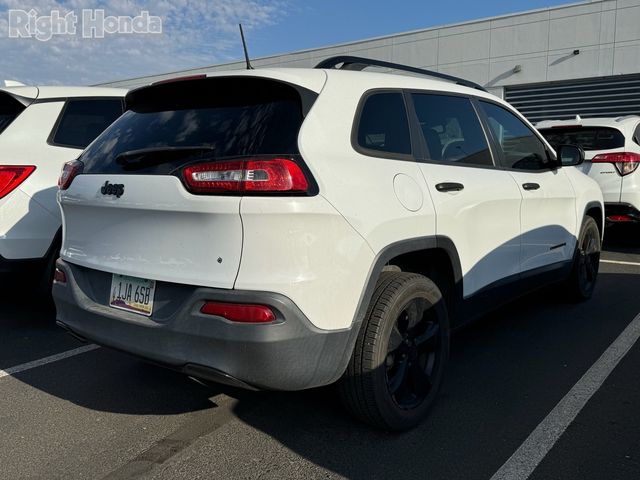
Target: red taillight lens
[
  {"x": 625, "y": 162},
  {"x": 274, "y": 175},
  {"x": 237, "y": 312},
  {"x": 70, "y": 170},
  {"x": 180, "y": 79},
  {"x": 13, "y": 175},
  {"x": 59, "y": 276},
  {"x": 619, "y": 218}
]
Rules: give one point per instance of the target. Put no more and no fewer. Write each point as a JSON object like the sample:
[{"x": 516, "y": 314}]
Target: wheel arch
[
  {"x": 595, "y": 210},
  {"x": 436, "y": 257}
]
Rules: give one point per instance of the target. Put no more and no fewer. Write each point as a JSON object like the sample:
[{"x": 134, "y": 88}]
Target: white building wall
[{"x": 542, "y": 42}]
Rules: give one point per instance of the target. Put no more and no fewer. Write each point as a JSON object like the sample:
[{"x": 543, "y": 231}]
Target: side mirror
[{"x": 570, "y": 155}]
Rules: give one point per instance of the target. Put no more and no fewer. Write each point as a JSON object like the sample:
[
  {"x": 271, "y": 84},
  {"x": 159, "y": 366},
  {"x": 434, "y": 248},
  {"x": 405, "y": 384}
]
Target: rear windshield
[
  {"x": 169, "y": 125},
  {"x": 589, "y": 138},
  {"x": 10, "y": 108}
]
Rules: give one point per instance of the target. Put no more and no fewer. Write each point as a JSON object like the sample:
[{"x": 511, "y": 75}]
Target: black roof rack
[{"x": 360, "y": 63}]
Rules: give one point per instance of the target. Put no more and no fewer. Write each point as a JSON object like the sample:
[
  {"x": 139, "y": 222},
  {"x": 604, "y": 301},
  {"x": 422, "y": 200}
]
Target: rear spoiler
[{"x": 26, "y": 95}]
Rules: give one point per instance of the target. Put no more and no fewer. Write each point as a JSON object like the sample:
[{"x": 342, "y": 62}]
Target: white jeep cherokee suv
[
  {"x": 289, "y": 228},
  {"x": 42, "y": 128},
  {"x": 612, "y": 150}
]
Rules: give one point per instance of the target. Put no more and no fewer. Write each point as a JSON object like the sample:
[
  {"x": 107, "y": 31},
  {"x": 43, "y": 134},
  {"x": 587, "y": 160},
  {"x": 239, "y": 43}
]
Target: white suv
[
  {"x": 289, "y": 228},
  {"x": 612, "y": 150},
  {"x": 42, "y": 128}
]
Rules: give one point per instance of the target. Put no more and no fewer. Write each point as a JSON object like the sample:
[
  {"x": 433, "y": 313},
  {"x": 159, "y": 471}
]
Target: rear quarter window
[
  {"x": 383, "y": 127},
  {"x": 10, "y": 108},
  {"x": 82, "y": 120},
  {"x": 589, "y": 138}
]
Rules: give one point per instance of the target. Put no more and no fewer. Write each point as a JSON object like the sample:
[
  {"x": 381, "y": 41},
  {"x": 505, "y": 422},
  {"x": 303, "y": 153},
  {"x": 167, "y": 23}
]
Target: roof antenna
[{"x": 244, "y": 46}]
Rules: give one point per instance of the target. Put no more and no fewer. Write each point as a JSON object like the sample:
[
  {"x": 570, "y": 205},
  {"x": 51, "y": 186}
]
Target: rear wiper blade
[{"x": 147, "y": 157}]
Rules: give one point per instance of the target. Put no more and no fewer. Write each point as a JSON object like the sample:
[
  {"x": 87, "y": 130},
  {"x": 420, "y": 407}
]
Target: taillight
[
  {"x": 625, "y": 162},
  {"x": 70, "y": 170},
  {"x": 253, "y": 175},
  {"x": 59, "y": 276},
  {"x": 13, "y": 175},
  {"x": 619, "y": 218},
  {"x": 238, "y": 312}
]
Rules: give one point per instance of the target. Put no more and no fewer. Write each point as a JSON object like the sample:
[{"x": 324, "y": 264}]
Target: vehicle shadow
[
  {"x": 622, "y": 238},
  {"x": 506, "y": 372}
]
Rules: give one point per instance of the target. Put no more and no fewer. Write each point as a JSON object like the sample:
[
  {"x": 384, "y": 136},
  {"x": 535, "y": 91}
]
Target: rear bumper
[
  {"x": 621, "y": 213},
  {"x": 290, "y": 354}
]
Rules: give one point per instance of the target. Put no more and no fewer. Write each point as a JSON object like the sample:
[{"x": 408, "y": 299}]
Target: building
[{"x": 555, "y": 62}]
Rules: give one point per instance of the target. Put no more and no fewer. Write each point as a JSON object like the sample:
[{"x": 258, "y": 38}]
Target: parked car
[
  {"x": 612, "y": 150},
  {"x": 289, "y": 228},
  {"x": 42, "y": 128}
]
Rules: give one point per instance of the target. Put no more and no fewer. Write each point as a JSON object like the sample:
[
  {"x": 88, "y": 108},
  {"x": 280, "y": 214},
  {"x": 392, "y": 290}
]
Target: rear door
[
  {"x": 131, "y": 213},
  {"x": 477, "y": 204},
  {"x": 548, "y": 208}
]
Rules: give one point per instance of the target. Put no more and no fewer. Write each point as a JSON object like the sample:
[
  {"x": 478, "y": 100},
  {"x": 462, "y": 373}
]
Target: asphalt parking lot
[{"x": 532, "y": 391}]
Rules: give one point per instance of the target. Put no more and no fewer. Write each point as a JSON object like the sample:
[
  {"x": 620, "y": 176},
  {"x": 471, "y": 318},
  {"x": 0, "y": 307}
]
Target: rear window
[
  {"x": 10, "y": 108},
  {"x": 82, "y": 120},
  {"x": 589, "y": 138},
  {"x": 169, "y": 125}
]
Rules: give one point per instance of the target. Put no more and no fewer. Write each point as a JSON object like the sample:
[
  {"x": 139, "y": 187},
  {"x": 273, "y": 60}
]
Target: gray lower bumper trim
[{"x": 290, "y": 354}]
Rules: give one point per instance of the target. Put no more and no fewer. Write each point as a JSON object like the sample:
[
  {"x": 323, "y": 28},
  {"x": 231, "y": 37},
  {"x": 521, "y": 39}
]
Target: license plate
[{"x": 132, "y": 294}]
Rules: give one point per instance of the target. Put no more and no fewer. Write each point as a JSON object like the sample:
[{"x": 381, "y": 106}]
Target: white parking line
[
  {"x": 525, "y": 460},
  {"x": 43, "y": 361},
  {"x": 618, "y": 262}
]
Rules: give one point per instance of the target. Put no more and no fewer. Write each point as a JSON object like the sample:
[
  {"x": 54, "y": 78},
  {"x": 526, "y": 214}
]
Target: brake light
[
  {"x": 273, "y": 175},
  {"x": 625, "y": 162},
  {"x": 180, "y": 79},
  {"x": 70, "y": 170},
  {"x": 13, "y": 175},
  {"x": 237, "y": 312}
]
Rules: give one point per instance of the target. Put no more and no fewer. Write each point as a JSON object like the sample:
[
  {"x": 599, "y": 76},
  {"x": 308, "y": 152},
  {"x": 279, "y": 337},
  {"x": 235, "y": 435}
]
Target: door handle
[
  {"x": 531, "y": 186},
  {"x": 449, "y": 187}
]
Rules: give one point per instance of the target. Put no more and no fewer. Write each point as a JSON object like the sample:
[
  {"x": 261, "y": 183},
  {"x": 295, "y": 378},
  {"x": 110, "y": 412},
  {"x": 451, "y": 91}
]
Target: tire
[
  {"x": 586, "y": 262},
  {"x": 44, "y": 281},
  {"x": 398, "y": 362}
]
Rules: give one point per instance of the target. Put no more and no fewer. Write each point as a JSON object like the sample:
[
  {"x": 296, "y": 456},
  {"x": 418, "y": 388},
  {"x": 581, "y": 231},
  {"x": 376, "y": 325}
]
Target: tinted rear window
[
  {"x": 383, "y": 125},
  {"x": 10, "y": 108},
  {"x": 83, "y": 120},
  {"x": 176, "y": 123},
  {"x": 589, "y": 138}
]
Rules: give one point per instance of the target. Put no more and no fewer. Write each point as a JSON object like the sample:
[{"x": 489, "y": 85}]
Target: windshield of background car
[
  {"x": 172, "y": 124},
  {"x": 589, "y": 138},
  {"x": 10, "y": 108}
]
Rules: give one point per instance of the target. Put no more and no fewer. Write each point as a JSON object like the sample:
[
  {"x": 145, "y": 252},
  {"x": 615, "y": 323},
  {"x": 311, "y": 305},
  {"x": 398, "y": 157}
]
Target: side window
[
  {"x": 521, "y": 148},
  {"x": 451, "y": 129},
  {"x": 383, "y": 124},
  {"x": 636, "y": 135},
  {"x": 83, "y": 120}
]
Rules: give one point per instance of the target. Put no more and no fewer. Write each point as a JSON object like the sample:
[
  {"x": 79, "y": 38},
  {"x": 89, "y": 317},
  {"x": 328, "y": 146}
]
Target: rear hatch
[
  {"x": 133, "y": 211},
  {"x": 594, "y": 141}
]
